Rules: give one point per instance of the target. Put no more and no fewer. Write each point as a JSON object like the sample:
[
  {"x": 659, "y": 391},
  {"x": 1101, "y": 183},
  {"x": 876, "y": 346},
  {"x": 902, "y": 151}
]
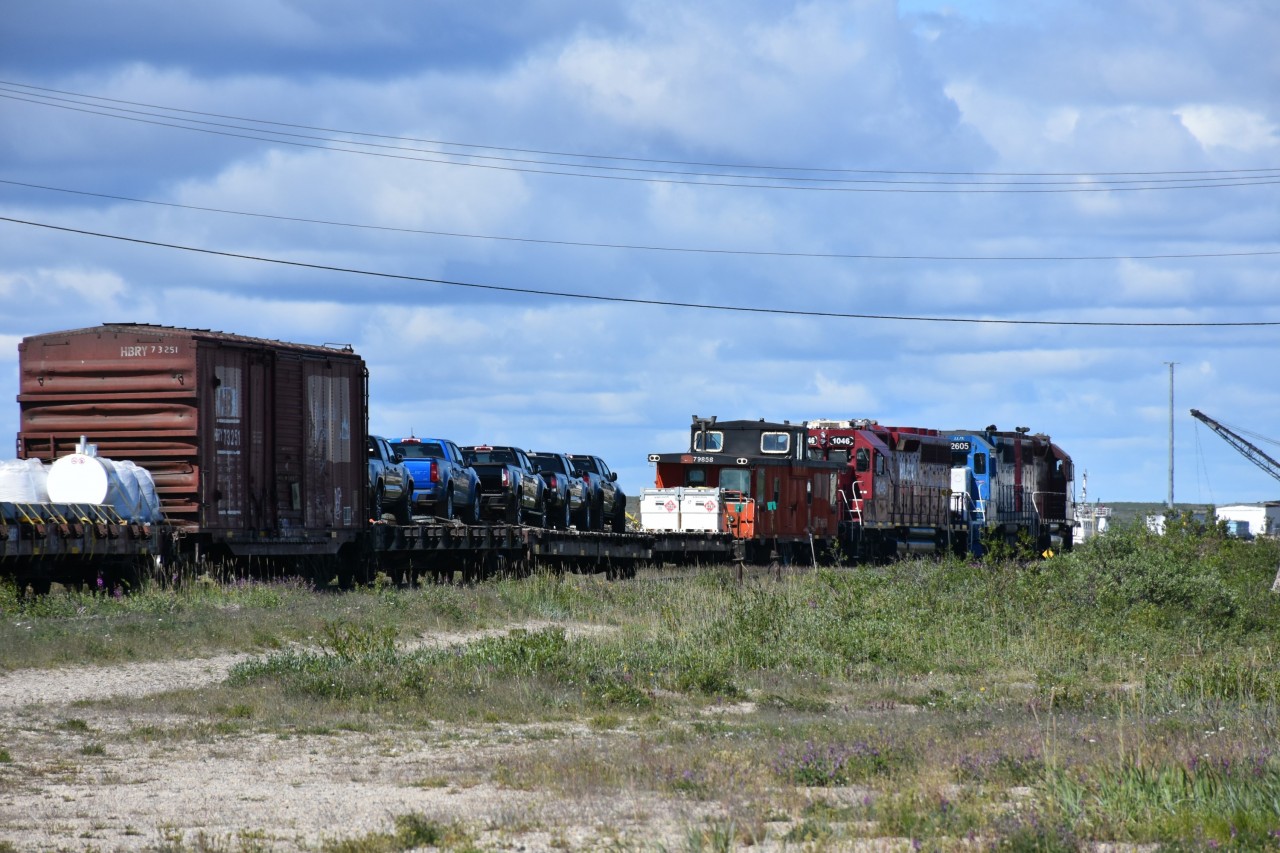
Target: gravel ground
[{"x": 79, "y": 778}]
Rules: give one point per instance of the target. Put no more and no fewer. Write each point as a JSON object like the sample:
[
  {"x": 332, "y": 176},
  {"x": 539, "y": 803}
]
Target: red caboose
[{"x": 783, "y": 504}]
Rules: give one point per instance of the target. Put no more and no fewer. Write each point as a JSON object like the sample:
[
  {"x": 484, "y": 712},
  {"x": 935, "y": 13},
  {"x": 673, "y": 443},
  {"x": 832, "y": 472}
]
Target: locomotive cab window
[
  {"x": 864, "y": 459},
  {"x": 714, "y": 441},
  {"x": 775, "y": 442},
  {"x": 736, "y": 480},
  {"x": 979, "y": 463},
  {"x": 695, "y": 477}
]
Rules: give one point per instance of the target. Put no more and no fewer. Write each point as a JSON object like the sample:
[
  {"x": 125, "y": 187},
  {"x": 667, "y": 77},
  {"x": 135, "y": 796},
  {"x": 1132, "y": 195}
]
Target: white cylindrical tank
[{"x": 84, "y": 479}]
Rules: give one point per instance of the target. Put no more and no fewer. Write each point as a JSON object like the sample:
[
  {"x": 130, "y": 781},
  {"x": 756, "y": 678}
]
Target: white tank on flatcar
[{"x": 85, "y": 478}]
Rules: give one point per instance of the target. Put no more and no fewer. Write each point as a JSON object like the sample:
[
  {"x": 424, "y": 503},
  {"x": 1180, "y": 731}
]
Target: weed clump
[{"x": 837, "y": 764}]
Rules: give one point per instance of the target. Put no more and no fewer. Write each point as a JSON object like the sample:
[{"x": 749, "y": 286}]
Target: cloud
[
  {"x": 1143, "y": 284},
  {"x": 96, "y": 290},
  {"x": 1230, "y": 126}
]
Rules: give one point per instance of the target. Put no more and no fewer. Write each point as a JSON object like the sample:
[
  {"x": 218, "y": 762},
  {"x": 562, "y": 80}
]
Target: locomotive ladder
[
  {"x": 980, "y": 511},
  {"x": 853, "y": 507}
]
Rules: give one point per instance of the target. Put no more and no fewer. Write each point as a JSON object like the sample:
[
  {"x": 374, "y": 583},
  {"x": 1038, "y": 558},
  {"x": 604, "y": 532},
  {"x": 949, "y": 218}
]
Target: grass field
[{"x": 1126, "y": 692}]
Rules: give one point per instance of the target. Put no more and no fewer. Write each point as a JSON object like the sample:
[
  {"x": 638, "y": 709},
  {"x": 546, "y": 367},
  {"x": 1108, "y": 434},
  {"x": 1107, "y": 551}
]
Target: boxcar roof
[{"x": 195, "y": 334}]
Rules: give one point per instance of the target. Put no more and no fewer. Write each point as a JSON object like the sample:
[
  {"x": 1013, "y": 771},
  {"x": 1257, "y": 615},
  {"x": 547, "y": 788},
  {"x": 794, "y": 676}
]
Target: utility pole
[{"x": 1171, "y": 364}]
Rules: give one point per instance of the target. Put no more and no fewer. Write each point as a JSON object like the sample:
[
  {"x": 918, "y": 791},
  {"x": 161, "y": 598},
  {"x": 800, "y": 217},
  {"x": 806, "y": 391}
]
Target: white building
[{"x": 1250, "y": 520}]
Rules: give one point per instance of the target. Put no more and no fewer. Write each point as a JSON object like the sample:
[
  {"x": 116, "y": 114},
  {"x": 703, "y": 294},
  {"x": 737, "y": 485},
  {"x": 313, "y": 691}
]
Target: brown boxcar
[{"x": 256, "y": 445}]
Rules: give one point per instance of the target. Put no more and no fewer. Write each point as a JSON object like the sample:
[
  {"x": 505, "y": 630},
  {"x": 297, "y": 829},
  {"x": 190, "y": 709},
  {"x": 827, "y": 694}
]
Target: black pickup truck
[
  {"x": 566, "y": 491},
  {"x": 510, "y": 485},
  {"x": 609, "y": 503}
]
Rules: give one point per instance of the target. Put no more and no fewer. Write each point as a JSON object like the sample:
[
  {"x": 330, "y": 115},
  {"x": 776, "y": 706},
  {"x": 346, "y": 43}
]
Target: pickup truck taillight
[
  {"x": 435, "y": 472},
  {"x": 551, "y": 481},
  {"x": 506, "y": 477}
]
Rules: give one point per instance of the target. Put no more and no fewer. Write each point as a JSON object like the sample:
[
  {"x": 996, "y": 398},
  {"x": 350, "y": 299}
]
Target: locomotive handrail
[
  {"x": 1034, "y": 495},
  {"x": 978, "y": 507},
  {"x": 853, "y": 505}
]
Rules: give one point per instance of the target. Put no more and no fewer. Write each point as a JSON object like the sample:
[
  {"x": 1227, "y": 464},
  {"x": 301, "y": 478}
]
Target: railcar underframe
[{"x": 82, "y": 546}]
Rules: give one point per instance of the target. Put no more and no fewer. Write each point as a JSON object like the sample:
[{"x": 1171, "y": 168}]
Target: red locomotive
[{"x": 895, "y": 486}]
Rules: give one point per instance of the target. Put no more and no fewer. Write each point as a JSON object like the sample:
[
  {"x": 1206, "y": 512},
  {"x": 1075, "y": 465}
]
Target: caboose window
[
  {"x": 714, "y": 441},
  {"x": 736, "y": 480},
  {"x": 775, "y": 442}
]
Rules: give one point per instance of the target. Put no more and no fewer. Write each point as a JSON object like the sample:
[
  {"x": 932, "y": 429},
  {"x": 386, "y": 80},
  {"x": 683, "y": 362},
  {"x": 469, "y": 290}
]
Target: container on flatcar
[{"x": 256, "y": 445}]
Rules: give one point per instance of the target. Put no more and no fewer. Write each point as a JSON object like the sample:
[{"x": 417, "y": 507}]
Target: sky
[{"x": 574, "y": 224}]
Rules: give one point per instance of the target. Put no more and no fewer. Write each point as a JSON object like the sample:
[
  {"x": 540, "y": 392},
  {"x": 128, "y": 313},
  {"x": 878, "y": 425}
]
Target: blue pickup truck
[{"x": 444, "y": 485}]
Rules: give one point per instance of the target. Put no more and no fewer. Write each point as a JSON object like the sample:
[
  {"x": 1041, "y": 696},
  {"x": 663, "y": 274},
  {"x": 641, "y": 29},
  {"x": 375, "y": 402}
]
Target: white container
[
  {"x": 660, "y": 509},
  {"x": 702, "y": 509},
  {"x": 84, "y": 479},
  {"x": 682, "y": 509}
]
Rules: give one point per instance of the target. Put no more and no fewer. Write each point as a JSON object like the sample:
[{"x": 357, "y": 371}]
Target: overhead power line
[
  {"x": 562, "y": 294},
  {"x": 627, "y": 159},
  {"x": 1081, "y": 182},
  {"x": 639, "y": 247}
]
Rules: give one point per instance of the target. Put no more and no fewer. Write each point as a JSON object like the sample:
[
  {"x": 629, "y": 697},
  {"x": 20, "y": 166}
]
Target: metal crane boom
[{"x": 1250, "y": 451}]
